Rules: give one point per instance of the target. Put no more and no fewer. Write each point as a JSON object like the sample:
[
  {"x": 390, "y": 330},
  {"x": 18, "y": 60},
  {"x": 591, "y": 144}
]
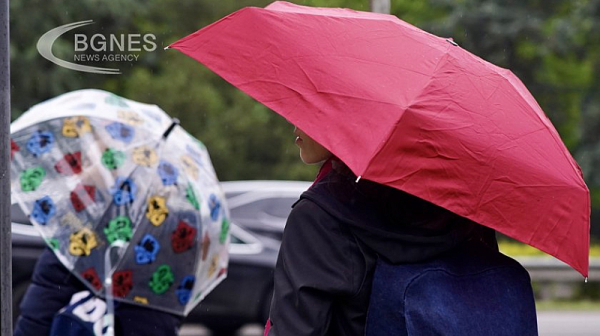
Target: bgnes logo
[{"x": 97, "y": 43}]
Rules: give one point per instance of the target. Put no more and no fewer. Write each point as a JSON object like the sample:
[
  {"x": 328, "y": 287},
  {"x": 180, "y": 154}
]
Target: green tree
[
  {"x": 553, "y": 46},
  {"x": 33, "y": 78}
]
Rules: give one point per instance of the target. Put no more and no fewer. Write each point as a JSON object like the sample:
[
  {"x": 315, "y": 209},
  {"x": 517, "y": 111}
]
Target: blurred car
[
  {"x": 262, "y": 207},
  {"x": 258, "y": 213}
]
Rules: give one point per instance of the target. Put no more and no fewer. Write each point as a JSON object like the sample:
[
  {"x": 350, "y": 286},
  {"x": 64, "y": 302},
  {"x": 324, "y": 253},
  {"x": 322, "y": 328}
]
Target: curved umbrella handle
[{"x": 109, "y": 318}]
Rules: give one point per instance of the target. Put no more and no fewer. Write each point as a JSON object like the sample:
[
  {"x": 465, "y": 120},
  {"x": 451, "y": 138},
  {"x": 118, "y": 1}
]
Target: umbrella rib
[
  {"x": 119, "y": 212},
  {"x": 555, "y": 136},
  {"x": 395, "y": 125},
  {"x": 152, "y": 182}
]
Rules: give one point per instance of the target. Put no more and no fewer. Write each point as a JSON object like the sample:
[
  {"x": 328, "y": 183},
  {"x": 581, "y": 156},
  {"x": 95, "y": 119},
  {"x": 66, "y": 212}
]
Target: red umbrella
[{"x": 408, "y": 109}]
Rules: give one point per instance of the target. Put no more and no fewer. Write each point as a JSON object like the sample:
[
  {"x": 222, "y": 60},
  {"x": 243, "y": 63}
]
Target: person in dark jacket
[
  {"x": 333, "y": 238},
  {"x": 52, "y": 287}
]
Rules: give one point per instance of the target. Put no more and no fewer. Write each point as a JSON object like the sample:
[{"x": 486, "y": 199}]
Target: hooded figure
[{"x": 333, "y": 238}]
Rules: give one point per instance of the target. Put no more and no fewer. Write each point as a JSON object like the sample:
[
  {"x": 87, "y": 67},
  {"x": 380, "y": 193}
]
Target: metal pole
[
  {"x": 5, "y": 230},
  {"x": 380, "y": 6}
]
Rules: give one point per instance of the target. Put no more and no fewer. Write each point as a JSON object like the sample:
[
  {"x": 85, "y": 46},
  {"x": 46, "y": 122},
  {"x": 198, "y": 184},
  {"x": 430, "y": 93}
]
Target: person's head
[{"x": 311, "y": 152}]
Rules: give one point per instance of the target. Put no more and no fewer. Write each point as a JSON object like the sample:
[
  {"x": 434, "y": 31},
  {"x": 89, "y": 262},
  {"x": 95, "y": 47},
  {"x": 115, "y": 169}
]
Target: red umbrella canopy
[{"x": 406, "y": 108}]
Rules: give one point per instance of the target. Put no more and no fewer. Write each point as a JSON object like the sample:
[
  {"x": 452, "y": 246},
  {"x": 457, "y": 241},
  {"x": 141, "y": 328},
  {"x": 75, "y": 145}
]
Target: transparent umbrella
[{"x": 96, "y": 172}]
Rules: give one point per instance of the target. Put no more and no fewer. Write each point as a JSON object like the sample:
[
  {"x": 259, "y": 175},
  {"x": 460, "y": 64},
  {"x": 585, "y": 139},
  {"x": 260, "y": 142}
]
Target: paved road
[
  {"x": 197, "y": 330},
  {"x": 551, "y": 323},
  {"x": 562, "y": 323}
]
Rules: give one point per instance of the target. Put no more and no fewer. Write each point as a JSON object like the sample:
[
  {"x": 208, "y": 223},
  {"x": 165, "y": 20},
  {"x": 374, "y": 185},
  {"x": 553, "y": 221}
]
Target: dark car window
[
  {"x": 17, "y": 215},
  {"x": 236, "y": 240}
]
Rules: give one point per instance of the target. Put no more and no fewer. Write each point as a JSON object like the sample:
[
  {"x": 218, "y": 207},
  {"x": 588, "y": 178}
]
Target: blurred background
[{"x": 552, "y": 46}]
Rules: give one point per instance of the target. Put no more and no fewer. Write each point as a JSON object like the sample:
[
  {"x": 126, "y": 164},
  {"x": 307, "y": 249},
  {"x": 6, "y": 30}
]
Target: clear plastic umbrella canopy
[{"x": 105, "y": 178}]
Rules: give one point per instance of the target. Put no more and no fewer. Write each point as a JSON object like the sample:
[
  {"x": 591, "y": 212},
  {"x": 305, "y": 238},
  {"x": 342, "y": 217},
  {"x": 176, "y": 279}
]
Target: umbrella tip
[
  {"x": 167, "y": 47},
  {"x": 585, "y": 279},
  {"x": 174, "y": 123},
  {"x": 358, "y": 179}
]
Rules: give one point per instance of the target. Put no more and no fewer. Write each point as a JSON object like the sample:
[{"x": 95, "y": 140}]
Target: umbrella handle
[{"x": 109, "y": 318}]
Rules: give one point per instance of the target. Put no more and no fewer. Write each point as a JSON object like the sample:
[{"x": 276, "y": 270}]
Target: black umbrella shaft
[{"x": 5, "y": 230}]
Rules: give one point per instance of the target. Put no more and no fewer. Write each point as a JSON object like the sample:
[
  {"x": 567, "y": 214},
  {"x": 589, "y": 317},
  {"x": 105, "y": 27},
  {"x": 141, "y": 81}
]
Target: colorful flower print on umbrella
[
  {"x": 124, "y": 191},
  {"x": 162, "y": 279},
  {"x": 40, "y": 142},
  {"x": 190, "y": 195},
  {"x": 53, "y": 243},
  {"x": 184, "y": 290},
  {"x": 224, "y": 231},
  {"x": 113, "y": 159},
  {"x": 146, "y": 250},
  {"x": 183, "y": 238},
  {"x": 32, "y": 178},
  {"x": 168, "y": 173},
  {"x": 70, "y": 164},
  {"x": 13, "y": 148},
  {"x": 122, "y": 283},
  {"x": 82, "y": 242},
  {"x": 43, "y": 210},
  {"x": 130, "y": 117},
  {"x": 83, "y": 196},
  {"x": 215, "y": 207},
  {"x": 205, "y": 246},
  {"x": 214, "y": 264},
  {"x": 140, "y": 299},
  {"x": 119, "y": 229},
  {"x": 121, "y": 132},
  {"x": 76, "y": 126},
  {"x": 157, "y": 210},
  {"x": 145, "y": 156},
  {"x": 91, "y": 276}
]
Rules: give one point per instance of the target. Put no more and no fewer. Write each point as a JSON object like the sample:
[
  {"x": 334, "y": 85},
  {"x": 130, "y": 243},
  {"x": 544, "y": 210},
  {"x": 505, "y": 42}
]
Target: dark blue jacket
[{"x": 471, "y": 291}]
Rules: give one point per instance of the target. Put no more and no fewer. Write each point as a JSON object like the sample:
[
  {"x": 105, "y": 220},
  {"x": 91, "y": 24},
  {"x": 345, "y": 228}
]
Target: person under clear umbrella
[
  {"x": 52, "y": 288},
  {"x": 128, "y": 203}
]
